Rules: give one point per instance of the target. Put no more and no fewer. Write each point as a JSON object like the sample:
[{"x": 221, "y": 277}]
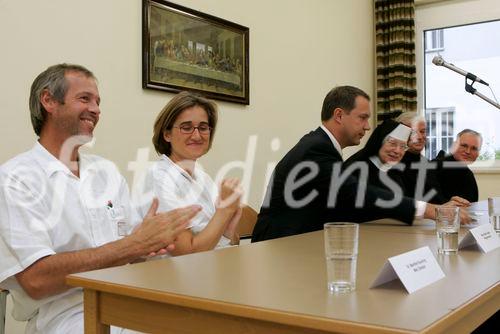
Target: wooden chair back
[
  {"x": 247, "y": 222},
  {"x": 3, "y": 309}
]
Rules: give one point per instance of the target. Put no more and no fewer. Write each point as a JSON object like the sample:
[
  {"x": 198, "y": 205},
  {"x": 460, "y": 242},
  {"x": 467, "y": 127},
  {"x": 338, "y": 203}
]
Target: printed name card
[
  {"x": 415, "y": 269},
  {"x": 484, "y": 236}
]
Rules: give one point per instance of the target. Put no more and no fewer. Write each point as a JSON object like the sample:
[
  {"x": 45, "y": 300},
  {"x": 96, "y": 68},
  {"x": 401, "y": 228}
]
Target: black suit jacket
[
  {"x": 456, "y": 179},
  {"x": 315, "y": 165},
  {"x": 430, "y": 182}
]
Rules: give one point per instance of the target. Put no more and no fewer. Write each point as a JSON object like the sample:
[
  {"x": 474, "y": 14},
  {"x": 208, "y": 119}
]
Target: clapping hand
[
  {"x": 230, "y": 194},
  {"x": 157, "y": 233}
]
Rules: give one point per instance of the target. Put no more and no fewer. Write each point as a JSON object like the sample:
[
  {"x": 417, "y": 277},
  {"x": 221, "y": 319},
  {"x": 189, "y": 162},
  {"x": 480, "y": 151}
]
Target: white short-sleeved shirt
[
  {"x": 175, "y": 188},
  {"x": 45, "y": 209}
]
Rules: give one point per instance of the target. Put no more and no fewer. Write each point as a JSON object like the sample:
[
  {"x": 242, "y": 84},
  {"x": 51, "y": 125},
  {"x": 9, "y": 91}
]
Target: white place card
[
  {"x": 415, "y": 269},
  {"x": 484, "y": 236}
]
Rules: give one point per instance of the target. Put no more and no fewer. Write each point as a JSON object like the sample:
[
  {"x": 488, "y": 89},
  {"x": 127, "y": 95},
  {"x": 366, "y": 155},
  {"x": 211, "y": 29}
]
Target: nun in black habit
[{"x": 382, "y": 153}]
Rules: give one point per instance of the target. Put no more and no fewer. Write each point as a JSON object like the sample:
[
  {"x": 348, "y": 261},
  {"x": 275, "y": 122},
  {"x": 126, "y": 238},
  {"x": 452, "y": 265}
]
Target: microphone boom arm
[
  {"x": 473, "y": 91},
  {"x": 439, "y": 61}
]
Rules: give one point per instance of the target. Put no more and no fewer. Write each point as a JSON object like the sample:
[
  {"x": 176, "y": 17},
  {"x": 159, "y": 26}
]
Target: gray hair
[
  {"x": 410, "y": 118},
  {"x": 53, "y": 80}
]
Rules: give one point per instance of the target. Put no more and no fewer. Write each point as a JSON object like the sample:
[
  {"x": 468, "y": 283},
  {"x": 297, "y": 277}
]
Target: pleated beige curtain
[{"x": 395, "y": 47}]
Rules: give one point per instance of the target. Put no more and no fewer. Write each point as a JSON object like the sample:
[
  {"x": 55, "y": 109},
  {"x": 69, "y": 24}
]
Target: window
[
  {"x": 448, "y": 107},
  {"x": 434, "y": 40},
  {"x": 440, "y": 123}
]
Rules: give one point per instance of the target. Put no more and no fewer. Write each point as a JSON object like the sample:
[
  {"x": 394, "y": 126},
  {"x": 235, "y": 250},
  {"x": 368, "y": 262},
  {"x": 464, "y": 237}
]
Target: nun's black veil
[{"x": 374, "y": 143}]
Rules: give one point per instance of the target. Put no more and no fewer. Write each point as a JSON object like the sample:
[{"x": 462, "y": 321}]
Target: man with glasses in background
[{"x": 453, "y": 172}]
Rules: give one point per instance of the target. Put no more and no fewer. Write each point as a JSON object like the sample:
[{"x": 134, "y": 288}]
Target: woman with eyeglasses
[
  {"x": 183, "y": 132},
  {"x": 381, "y": 155}
]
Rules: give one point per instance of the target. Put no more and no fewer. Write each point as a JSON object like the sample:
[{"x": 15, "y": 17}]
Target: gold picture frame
[{"x": 184, "y": 49}]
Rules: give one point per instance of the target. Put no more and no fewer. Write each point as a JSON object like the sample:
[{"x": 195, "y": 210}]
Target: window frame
[
  {"x": 439, "y": 46},
  {"x": 444, "y": 14},
  {"x": 439, "y": 113}
]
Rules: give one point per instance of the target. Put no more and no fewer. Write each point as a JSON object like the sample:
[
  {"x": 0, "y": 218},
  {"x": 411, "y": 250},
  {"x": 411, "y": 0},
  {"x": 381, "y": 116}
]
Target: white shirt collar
[
  {"x": 52, "y": 165},
  {"x": 379, "y": 164},
  {"x": 332, "y": 138},
  {"x": 179, "y": 169},
  {"x": 47, "y": 161}
]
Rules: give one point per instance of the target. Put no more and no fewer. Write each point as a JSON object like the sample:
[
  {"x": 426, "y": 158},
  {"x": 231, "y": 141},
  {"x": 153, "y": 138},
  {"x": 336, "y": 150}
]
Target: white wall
[
  {"x": 299, "y": 49},
  {"x": 451, "y": 13}
]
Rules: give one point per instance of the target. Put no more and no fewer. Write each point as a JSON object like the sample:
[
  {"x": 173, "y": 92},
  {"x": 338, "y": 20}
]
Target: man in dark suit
[
  {"x": 419, "y": 176},
  {"x": 308, "y": 186},
  {"x": 453, "y": 172}
]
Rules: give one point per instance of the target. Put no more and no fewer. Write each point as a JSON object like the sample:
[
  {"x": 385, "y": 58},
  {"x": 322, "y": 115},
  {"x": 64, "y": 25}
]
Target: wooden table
[{"x": 279, "y": 286}]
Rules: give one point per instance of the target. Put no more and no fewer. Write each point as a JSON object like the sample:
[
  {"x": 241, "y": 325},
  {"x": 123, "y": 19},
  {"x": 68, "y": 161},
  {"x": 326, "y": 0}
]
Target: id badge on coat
[{"x": 117, "y": 214}]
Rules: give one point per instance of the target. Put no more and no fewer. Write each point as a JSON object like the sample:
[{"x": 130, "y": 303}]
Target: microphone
[{"x": 439, "y": 61}]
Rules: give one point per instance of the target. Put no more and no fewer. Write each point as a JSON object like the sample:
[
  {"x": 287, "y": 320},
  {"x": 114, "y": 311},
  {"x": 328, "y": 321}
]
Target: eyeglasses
[
  {"x": 188, "y": 129},
  {"x": 466, "y": 147},
  {"x": 395, "y": 144}
]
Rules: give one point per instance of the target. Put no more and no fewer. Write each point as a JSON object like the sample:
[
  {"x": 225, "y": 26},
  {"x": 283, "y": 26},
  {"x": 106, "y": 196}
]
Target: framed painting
[{"x": 184, "y": 49}]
